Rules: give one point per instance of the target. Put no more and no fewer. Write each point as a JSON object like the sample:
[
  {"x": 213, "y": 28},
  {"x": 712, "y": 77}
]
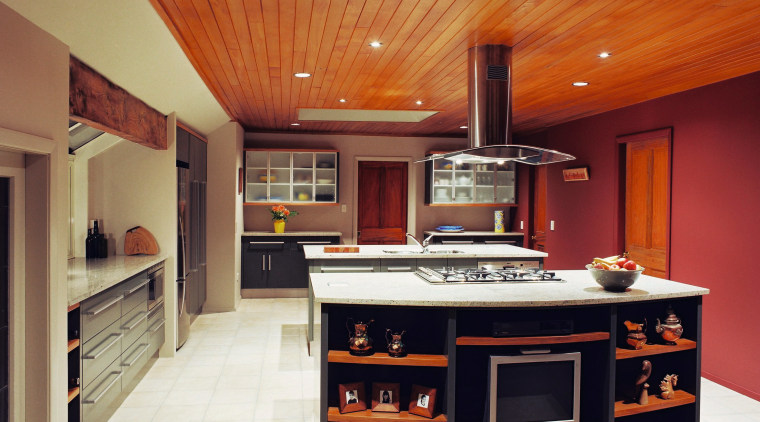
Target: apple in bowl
[{"x": 615, "y": 273}]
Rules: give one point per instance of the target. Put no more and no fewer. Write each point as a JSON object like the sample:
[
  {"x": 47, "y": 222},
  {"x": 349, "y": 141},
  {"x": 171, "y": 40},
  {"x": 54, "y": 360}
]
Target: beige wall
[
  {"x": 257, "y": 218},
  {"x": 132, "y": 185},
  {"x": 224, "y": 219},
  {"x": 34, "y": 79}
]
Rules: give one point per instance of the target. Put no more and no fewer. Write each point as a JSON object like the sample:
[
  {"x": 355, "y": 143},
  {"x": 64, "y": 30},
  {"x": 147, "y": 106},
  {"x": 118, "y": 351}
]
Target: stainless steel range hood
[{"x": 489, "y": 95}]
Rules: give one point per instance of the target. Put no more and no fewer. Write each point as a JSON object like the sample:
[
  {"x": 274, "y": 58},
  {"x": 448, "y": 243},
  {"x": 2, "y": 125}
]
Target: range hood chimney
[{"x": 489, "y": 96}]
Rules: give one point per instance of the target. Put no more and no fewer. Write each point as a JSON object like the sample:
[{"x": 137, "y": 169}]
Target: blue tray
[{"x": 449, "y": 228}]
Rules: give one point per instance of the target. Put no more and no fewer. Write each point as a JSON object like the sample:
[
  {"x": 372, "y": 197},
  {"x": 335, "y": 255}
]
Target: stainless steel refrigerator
[{"x": 184, "y": 274}]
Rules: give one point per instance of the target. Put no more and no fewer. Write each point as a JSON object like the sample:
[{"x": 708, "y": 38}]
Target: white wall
[
  {"x": 34, "y": 78},
  {"x": 225, "y": 218},
  {"x": 132, "y": 185}
]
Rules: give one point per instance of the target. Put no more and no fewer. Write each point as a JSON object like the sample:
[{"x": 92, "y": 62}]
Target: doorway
[
  {"x": 647, "y": 200},
  {"x": 382, "y": 202}
]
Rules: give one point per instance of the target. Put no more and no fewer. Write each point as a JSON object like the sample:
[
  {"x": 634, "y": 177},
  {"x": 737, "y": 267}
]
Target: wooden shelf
[
  {"x": 655, "y": 349},
  {"x": 380, "y": 358},
  {"x": 655, "y": 403},
  {"x": 72, "y": 307},
  {"x": 334, "y": 415},
  {"x": 73, "y": 344},
  {"x": 73, "y": 393},
  {"x": 534, "y": 340}
]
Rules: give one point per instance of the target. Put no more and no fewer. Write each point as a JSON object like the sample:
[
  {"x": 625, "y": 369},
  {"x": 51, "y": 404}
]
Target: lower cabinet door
[
  {"x": 286, "y": 270},
  {"x": 254, "y": 269},
  {"x": 100, "y": 399}
]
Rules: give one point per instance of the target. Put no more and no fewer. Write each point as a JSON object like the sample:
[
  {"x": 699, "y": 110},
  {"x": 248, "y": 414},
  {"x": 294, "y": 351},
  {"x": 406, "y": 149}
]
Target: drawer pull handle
[
  {"x": 457, "y": 242},
  {"x": 157, "y": 325},
  {"x": 155, "y": 310},
  {"x": 104, "y": 306},
  {"x": 500, "y": 242},
  {"x": 116, "y": 338},
  {"x": 136, "y": 323},
  {"x": 136, "y": 288},
  {"x": 313, "y": 242},
  {"x": 331, "y": 269},
  {"x": 399, "y": 269},
  {"x": 266, "y": 243},
  {"x": 105, "y": 390},
  {"x": 142, "y": 352}
]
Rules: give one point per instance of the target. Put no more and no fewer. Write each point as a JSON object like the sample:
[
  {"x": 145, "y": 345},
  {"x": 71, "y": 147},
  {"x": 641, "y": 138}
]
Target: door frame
[
  {"x": 619, "y": 218},
  {"x": 411, "y": 192}
]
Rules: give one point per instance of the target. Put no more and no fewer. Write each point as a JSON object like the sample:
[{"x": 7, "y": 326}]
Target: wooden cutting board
[{"x": 139, "y": 240}]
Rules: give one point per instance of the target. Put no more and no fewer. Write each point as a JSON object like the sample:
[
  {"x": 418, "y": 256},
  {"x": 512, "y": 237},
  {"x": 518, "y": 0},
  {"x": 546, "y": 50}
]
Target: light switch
[
  {"x": 521, "y": 224},
  {"x": 551, "y": 225},
  {"x": 343, "y": 208}
]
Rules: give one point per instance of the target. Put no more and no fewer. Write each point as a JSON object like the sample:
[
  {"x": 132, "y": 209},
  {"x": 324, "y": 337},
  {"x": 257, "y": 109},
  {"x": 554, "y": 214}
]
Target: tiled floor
[{"x": 252, "y": 365}]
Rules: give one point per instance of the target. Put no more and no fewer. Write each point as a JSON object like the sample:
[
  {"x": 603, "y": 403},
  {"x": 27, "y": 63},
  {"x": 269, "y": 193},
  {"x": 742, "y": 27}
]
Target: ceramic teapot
[
  {"x": 671, "y": 330},
  {"x": 359, "y": 342},
  {"x": 636, "y": 334},
  {"x": 396, "y": 347}
]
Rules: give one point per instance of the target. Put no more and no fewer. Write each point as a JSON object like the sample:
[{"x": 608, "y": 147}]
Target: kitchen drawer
[
  {"x": 156, "y": 321},
  {"x": 155, "y": 314},
  {"x": 99, "y": 312},
  {"x": 398, "y": 265},
  {"x": 101, "y": 398},
  {"x": 100, "y": 351},
  {"x": 348, "y": 266},
  {"x": 133, "y": 360},
  {"x": 259, "y": 244},
  {"x": 135, "y": 292},
  {"x": 134, "y": 324}
]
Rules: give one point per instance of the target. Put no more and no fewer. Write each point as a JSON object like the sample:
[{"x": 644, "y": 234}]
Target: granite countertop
[
  {"x": 407, "y": 289},
  {"x": 88, "y": 277},
  {"x": 472, "y": 233},
  {"x": 470, "y": 251},
  {"x": 293, "y": 234}
]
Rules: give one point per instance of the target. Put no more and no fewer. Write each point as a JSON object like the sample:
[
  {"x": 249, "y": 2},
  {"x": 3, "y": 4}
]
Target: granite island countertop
[
  {"x": 294, "y": 233},
  {"x": 88, "y": 277},
  {"x": 407, "y": 289},
  {"x": 468, "y": 251},
  {"x": 472, "y": 233}
]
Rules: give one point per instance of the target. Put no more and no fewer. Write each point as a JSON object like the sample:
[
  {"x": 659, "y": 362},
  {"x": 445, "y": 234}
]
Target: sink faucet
[{"x": 425, "y": 243}]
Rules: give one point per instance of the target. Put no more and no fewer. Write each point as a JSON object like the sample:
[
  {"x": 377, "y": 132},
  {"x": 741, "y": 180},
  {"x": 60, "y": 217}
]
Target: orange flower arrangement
[{"x": 279, "y": 212}]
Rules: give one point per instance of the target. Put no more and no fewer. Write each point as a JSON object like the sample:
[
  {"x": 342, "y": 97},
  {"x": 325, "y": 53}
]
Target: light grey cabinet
[
  {"x": 291, "y": 176},
  {"x": 450, "y": 183}
]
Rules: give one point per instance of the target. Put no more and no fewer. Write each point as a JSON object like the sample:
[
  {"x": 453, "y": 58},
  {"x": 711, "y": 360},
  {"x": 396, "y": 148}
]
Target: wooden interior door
[
  {"x": 382, "y": 203},
  {"x": 647, "y": 201},
  {"x": 538, "y": 237}
]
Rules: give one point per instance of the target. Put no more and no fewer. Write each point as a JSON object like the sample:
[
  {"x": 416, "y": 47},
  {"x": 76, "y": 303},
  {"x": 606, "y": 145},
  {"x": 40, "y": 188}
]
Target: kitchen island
[
  {"x": 449, "y": 340},
  {"x": 406, "y": 258}
]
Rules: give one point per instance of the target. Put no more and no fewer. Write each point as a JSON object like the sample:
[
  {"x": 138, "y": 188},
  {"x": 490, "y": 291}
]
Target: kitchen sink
[
  {"x": 401, "y": 252},
  {"x": 445, "y": 251}
]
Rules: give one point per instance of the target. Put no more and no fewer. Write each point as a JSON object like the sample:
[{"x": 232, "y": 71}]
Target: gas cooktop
[{"x": 482, "y": 275}]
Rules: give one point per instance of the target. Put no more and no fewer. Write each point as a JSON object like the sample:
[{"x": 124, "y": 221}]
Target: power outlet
[
  {"x": 343, "y": 208},
  {"x": 551, "y": 225}
]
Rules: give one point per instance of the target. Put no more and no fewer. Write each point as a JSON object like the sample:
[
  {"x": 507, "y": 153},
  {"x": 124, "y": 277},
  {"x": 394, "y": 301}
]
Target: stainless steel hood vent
[{"x": 489, "y": 96}]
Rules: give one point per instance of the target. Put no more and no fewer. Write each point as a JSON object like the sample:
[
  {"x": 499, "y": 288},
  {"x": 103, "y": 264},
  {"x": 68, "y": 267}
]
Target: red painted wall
[{"x": 715, "y": 208}]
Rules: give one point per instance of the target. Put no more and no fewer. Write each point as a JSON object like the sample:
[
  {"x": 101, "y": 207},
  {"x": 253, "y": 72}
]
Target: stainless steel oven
[{"x": 155, "y": 285}]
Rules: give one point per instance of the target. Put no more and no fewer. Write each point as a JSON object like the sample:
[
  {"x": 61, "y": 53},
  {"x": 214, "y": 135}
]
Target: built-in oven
[{"x": 155, "y": 285}]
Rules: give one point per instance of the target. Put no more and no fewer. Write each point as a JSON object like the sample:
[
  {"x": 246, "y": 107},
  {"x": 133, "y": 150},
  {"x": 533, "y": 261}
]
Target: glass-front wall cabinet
[
  {"x": 449, "y": 182},
  {"x": 291, "y": 176}
]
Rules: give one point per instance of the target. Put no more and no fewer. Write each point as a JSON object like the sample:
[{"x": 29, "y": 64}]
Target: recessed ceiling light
[
  {"x": 462, "y": 127},
  {"x": 342, "y": 100},
  {"x": 604, "y": 54},
  {"x": 580, "y": 83},
  {"x": 295, "y": 124},
  {"x": 375, "y": 44},
  {"x": 419, "y": 102},
  {"x": 302, "y": 75}
]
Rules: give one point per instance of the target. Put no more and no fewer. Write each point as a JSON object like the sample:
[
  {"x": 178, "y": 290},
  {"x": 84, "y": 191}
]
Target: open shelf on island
[
  {"x": 655, "y": 403},
  {"x": 72, "y": 344},
  {"x": 533, "y": 340},
  {"x": 655, "y": 349},
  {"x": 334, "y": 415},
  {"x": 379, "y": 358},
  {"x": 73, "y": 393}
]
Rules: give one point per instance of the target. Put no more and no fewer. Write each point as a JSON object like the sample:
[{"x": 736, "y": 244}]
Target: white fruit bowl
[{"x": 615, "y": 280}]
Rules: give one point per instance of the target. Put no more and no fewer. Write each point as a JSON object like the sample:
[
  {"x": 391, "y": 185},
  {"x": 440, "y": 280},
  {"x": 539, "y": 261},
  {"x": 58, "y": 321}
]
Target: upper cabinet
[
  {"x": 291, "y": 176},
  {"x": 450, "y": 183}
]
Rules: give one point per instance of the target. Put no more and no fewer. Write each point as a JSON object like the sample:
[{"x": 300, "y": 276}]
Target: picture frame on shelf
[
  {"x": 422, "y": 401},
  {"x": 385, "y": 397},
  {"x": 352, "y": 397}
]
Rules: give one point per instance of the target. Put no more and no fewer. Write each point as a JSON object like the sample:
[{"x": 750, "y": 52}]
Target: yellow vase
[{"x": 279, "y": 226}]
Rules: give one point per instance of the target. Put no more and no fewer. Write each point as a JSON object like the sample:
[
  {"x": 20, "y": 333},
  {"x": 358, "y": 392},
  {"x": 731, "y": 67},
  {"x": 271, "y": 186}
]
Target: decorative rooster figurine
[{"x": 667, "y": 386}]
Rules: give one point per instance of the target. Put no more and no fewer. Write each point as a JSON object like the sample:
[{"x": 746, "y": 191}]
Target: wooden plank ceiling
[{"x": 248, "y": 50}]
